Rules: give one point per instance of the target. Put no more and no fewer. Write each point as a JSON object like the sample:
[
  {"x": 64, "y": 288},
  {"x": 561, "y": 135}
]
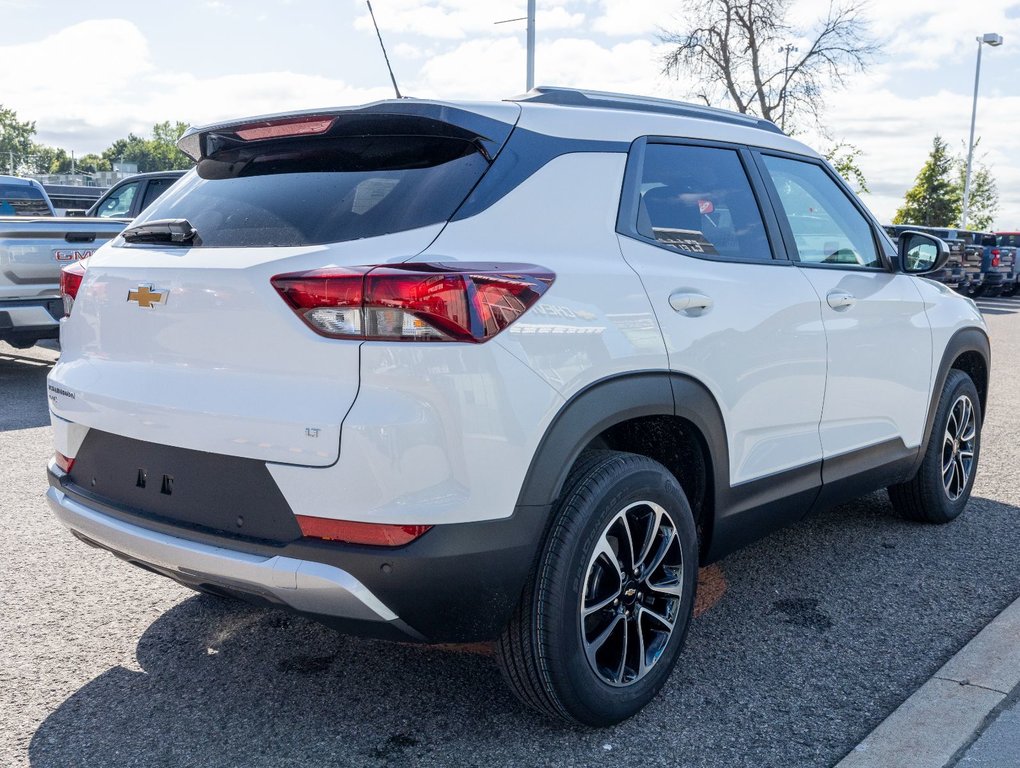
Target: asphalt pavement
[{"x": 814, "y": 635}]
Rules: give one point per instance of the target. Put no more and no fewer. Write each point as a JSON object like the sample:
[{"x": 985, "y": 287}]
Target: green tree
[
  {"x": 843, "y": 155},
  {"x": 15, "y": 141},
  {"x": 983, "y": 204},
  {"x": 159, "y": 153},
  {"x": 934, "y": 200}
]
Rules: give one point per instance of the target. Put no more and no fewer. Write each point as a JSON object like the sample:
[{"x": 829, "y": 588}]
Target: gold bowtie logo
[{"x": 146, "y": 296}]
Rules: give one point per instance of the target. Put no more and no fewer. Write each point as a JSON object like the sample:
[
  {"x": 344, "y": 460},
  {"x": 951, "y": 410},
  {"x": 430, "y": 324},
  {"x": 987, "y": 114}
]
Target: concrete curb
[{"x": 946, "y": 713}]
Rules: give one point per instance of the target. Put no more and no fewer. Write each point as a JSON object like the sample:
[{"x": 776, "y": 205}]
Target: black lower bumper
[{"x": 456, "y": 583}]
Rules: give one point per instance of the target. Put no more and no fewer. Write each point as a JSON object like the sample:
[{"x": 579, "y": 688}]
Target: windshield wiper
[{"x": 169, "y": 231}]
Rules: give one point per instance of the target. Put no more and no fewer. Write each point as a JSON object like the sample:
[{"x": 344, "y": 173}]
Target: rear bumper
[
  {"x": 24, "y": 321},
  {"x": 457, "y": 583}
]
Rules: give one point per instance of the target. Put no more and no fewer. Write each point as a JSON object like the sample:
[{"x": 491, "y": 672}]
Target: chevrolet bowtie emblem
[{"x": 146, "y": 296}]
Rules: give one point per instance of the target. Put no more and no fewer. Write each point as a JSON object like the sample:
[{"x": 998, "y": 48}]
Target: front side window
[
  {"x": 699, "y": 201},
  {"x": 119, "y": 203},
  {"x": 827, "y": 227}
]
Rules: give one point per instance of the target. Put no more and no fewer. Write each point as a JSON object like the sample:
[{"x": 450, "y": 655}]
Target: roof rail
[{"x": 576, "y": 97}]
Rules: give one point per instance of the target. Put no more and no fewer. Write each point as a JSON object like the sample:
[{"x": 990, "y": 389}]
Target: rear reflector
[
  {"x": 70, "y": 281},
  {"x": 469, "y": 302},
  {"x": 278, "y": 129},
  {"x": 63, "y": 461},
  {"x": 372, "y": 534}
]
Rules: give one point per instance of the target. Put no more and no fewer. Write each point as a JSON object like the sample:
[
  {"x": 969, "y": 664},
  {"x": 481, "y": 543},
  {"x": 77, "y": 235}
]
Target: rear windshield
[
  {"x": 22, "y": 200},
  {"x": 323, "y": 190}
]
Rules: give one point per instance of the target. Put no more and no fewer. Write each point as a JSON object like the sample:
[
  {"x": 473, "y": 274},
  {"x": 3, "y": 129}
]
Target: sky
[{"x": 89, "y": 73}]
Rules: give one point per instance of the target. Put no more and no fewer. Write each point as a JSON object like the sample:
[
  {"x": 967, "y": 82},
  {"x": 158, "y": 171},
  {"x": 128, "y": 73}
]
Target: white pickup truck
[{"x": 34, "y": 246}]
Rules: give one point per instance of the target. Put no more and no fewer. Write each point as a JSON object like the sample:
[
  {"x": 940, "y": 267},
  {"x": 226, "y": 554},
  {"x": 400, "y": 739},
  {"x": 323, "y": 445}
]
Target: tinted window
[
  {"x": 827, "y": 228},
  {"x": 1009, "y": 240},
  {"x": 155, "y": 188},
  {"x": 22, "y": 200},
  {"x": 699, "y": 200},
  {"x": 327, "y": 190},
  {"x": 118, "y": 204}
]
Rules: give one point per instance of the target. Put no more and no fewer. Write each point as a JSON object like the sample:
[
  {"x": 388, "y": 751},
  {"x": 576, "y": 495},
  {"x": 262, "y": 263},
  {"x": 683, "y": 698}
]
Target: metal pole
[
  {"x": 970, "y": 145},
  {"x": 786, "y": 74},
  {"x": 531, "y": 45}
]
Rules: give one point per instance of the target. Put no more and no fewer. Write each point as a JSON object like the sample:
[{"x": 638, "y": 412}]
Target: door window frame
[
  {"x": 882, "y": 243},
  {"x": 627, "y": 214}
]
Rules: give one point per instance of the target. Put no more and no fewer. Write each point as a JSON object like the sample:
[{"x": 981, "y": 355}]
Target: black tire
[
  {"x": 542, "y": 653},
  {"x": 927, "y": 497}
]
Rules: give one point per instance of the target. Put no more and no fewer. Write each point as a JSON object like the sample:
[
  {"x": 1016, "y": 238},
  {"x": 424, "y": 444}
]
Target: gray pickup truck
[{"x": 34, "y": 246}]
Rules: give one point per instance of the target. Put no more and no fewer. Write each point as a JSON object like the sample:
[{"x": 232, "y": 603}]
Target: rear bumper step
[{"x": 302, "y": 585}]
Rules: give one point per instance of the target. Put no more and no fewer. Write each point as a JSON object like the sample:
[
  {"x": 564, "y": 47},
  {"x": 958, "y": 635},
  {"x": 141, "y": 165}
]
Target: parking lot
[{"x": 805, "y": 641}]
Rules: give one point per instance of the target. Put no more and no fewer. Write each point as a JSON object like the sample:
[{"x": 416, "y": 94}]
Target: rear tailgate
[
  {"x": 191, "y": 346},
  {"x": 33, "y": 250},
  {"x": 219, "y": 362}
]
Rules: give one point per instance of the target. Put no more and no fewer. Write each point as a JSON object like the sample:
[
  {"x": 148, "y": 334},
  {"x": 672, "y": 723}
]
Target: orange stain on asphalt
[{"x": 711, "y": 587}]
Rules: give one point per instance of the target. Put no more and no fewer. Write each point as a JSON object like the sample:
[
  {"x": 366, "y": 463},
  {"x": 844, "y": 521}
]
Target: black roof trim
[{"x": 575, "y": 97}]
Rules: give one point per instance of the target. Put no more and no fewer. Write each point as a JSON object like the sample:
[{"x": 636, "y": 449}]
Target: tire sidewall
[
  {"x": 590, "y": 699},
  {"x": 939, "y": 503}
]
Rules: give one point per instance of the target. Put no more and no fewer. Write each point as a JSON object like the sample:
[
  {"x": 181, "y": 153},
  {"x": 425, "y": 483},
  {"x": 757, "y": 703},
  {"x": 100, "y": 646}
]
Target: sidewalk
[{"x": 966, "y": 715}]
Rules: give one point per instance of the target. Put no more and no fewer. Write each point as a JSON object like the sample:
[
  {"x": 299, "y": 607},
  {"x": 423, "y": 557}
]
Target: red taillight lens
[
  {"x": 372, "y": 534},
  {"x": 70, "y": 281},
  {"x": 63, "y": 461},
  {"x": 414, "y": 302},
  {"x": 995, "y": 257}
]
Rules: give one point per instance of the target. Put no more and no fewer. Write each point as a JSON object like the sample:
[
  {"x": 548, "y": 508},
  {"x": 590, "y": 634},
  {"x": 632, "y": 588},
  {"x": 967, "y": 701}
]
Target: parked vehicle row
[
  {"x": 35, "y": 244},
  {"x": 980, "y": 263},
  {"x": 504, "y": 371}
]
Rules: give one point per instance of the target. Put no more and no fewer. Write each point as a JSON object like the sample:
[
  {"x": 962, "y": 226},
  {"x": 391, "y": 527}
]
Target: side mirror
[{"x": 921, "y": 252}]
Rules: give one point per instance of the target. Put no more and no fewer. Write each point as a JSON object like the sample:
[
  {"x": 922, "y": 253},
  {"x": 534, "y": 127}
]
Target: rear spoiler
[{"x": 407, "y": 116}]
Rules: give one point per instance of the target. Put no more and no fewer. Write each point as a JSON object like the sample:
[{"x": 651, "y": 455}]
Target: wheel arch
[
  {"x": 632, "y": 399},
  {"x": 968, "y": 350}
]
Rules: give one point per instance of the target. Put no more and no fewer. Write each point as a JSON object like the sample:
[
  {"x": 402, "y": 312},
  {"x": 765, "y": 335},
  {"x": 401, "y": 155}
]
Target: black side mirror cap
[{"x": 920, "y": 252}]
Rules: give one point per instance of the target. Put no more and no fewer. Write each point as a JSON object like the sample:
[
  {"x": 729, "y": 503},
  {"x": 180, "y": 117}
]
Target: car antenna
[{"x": 382, "y": 45}]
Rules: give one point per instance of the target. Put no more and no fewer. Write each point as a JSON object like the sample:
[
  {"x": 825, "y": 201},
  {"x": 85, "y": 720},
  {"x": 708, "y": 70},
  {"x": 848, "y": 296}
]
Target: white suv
[{"x": 503, "y": 371}]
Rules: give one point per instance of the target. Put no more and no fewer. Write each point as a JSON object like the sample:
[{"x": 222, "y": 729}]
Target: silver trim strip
[{"x": 301, "y": 584}]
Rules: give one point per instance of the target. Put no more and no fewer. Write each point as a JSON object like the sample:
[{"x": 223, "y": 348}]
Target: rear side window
[
  {"x": 323, "y": 190},
  {"x": 155, "y": 188},
  {"x": 699, "y": 200},
  {"x": 22, "y": 200}
]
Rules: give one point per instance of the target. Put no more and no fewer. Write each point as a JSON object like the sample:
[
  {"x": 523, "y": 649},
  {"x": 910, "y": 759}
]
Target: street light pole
[{"x": 987, "y": 39}]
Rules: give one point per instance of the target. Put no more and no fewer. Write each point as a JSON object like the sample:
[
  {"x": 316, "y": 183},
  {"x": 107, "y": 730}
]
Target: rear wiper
[{"x": 170, "y": 231}]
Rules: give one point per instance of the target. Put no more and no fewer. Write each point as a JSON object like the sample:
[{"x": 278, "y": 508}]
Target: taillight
[
  {"x": 995, "y": 257},
  {"x": 63, "y": 461},
  {"x": 70, "y": 281},
  {"x": 372, "y": 534},
  {"x": 414, "y": 302}
]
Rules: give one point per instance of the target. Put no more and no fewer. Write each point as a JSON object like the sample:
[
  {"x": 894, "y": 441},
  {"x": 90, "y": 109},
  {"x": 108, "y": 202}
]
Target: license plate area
[{"x": 191, "y": 489}]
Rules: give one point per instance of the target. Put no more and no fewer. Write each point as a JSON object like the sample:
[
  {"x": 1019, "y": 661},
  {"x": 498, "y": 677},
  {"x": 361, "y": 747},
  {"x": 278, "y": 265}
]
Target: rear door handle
[
  {"x": 690, "y": 302},
  {"x": 840, "y": 300}
]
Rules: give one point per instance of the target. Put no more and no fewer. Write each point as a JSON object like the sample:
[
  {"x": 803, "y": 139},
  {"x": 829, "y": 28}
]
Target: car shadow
[
  {"x": 819, "y": 631},
  {"x": 23, "y": 389}
]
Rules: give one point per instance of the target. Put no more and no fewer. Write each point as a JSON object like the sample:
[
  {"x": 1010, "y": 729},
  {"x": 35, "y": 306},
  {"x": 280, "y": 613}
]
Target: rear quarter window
[{"x": 323, "y": 190}]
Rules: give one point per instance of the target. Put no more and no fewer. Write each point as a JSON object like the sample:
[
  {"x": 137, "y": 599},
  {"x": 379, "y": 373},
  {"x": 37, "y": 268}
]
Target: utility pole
[
  {"x": 788, "y": 49},
  {"x": 531, "y": 45},
  {"x": 529, "y": 76}
]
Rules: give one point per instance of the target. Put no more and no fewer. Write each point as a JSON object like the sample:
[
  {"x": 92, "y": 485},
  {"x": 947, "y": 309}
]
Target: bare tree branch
[{"x": 733, "y": 50}]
